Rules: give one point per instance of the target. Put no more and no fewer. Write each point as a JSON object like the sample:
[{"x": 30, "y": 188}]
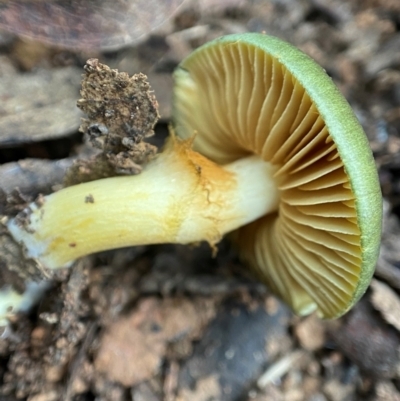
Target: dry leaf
[
  {"x": 386, "y": 391},
  {"x": 311, "y": 333},
  {"x": 33, "y": 176},
  {"x": 144, "y": 335},
  {"x": 39, "y": 106},
  {"x": 86, "y": 24},
  {"x": 386, "y": 301}
]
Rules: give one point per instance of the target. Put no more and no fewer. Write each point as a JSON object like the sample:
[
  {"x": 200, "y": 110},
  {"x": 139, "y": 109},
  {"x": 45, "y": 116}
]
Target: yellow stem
[{"x": 180, "y": 197}]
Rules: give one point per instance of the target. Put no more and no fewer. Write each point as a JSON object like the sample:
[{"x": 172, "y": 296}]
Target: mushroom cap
[{"x": 255, "y": 94}]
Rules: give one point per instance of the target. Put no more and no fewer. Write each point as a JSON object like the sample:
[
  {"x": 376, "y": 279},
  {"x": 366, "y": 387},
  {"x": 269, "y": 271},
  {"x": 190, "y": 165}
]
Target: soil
[{"x": 173, "y": 322}]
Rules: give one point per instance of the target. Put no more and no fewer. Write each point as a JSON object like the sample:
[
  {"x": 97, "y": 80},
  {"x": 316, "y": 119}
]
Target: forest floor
[{"x": 171, "y": 322}]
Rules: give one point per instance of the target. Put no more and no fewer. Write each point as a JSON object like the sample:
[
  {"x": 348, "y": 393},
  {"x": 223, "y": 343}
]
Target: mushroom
[
  {"x": 12, "y": 300},
  {"x": 265, "y": 148}
]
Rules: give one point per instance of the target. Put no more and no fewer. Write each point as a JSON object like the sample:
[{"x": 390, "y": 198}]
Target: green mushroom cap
[{"x": 251, "y": 93}]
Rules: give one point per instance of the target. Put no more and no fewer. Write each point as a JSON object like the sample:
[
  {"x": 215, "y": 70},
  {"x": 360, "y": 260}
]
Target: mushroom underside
[{"x": 239, "y": 100}]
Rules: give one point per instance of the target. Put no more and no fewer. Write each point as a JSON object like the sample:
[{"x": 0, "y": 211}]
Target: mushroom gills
[{"x": 240, "y": 99}]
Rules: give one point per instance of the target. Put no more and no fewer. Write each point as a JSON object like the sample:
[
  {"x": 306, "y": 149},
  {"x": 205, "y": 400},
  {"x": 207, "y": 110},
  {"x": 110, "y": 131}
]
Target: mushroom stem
[
  {"x": 11, "y": 300},
  {"x": 180, "y": 197}
]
